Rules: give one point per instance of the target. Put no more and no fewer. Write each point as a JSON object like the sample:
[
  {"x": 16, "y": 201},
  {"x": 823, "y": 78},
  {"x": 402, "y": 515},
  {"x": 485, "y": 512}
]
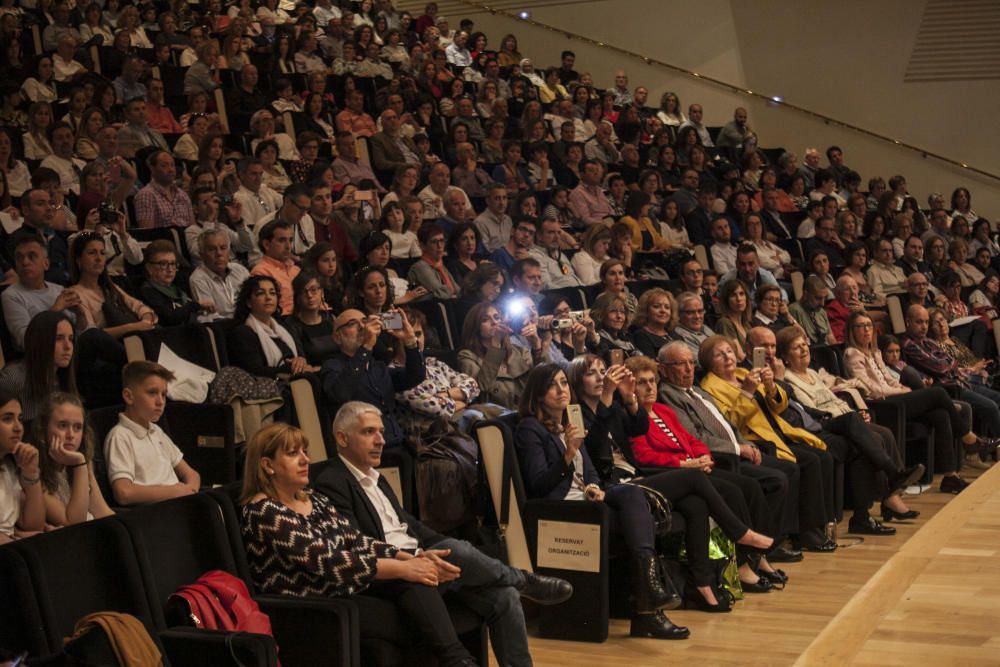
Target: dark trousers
[
  {"x": 697, "y": 497},
  {"x": 934, "y": 408},
  {"x": 789, "y": 470},
  {"x": 867, "y": 459},
  {"x": 630, "y": 518},
  {"x": 421, "y": 610},
  {"x": 816, "y": 486},
  {"x": 773, "y": 483}
]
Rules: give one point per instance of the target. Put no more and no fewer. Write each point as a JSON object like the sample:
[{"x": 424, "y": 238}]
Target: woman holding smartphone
[{"x": 554, "y": 464}]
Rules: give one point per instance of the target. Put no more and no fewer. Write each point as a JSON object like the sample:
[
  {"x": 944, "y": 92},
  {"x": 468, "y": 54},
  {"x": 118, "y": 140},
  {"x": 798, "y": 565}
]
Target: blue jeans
[{"x": 489, "y": 588}]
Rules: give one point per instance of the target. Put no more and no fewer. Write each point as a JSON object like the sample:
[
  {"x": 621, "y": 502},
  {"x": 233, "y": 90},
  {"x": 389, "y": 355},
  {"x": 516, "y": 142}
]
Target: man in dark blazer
[
  {"x": 775, "y": 477},
  {"x": 484, "y": 584}
]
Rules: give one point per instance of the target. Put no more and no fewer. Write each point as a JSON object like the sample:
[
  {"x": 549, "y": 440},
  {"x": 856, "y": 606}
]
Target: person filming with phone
[{"x": 354, "y": 374}]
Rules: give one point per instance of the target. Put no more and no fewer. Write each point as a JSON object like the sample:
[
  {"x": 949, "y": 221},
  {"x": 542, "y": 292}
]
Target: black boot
[
  {"x": 656, "y": 626},
  {"x": 650, "y": 595}
]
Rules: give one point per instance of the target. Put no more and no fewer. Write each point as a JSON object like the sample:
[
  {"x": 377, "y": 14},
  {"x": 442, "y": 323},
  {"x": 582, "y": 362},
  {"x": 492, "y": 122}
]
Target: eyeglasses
[
  {"x": 164, "y": 265},
  {"x": 698, "y": 311},
  {"x": 771, "y": 299}
]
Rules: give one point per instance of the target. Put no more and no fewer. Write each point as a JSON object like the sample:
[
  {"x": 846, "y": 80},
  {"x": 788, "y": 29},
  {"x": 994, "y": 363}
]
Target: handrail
[{"x": 772, "y": 100}]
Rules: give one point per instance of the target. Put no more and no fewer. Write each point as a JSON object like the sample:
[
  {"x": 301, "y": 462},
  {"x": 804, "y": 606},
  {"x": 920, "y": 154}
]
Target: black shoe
[
  {"x": 784, "y": 555},
  {"x": 656, "y": 626},
  {"x": 763, "y": 585},
  {"x": 905, "y": 478},
  {"x": 545, "y": 590},
  {"x": 776, "y": 577},
  {"x": 953, "y": 484},
  {"x": 869, "y": 526},
  {"x": 650, "y": 595},
  {"x": 982, "y": 446},
  {"x": 888, "y": 514},
  {"x": 826, "y": 547},
  {"x": 693, "y": 599}
]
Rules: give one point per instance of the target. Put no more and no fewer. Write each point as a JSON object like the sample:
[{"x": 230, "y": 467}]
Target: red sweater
[{"x": 656, "y": 448}]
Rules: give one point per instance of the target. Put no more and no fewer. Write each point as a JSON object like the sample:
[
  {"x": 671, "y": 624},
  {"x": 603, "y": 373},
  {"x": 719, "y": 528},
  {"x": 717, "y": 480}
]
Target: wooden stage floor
[{"x": 930, "y": 595}]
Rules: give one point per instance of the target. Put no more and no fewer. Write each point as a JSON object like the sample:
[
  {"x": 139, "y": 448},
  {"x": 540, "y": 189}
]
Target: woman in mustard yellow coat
[{"x": 739, "y": 395}]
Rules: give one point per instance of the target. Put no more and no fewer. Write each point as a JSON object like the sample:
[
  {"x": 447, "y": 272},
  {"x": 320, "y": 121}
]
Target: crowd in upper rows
[{"x": 316, "y": 175}]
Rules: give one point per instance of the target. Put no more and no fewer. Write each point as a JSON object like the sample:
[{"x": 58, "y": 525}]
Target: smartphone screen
[{"x": 575, "y": 416}]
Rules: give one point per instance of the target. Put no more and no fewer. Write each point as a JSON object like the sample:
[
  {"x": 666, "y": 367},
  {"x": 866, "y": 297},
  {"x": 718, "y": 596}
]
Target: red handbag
[{"x": 220, "y": 601}]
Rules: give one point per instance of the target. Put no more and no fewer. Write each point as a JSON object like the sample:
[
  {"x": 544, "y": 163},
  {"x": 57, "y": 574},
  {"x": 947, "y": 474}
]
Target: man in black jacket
[{"x": 484, "y": 584}]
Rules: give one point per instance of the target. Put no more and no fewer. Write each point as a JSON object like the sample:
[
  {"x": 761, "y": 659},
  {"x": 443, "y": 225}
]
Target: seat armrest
[
  {"x": 314, "y": 631},
  {"x": 194, "y": 647}
]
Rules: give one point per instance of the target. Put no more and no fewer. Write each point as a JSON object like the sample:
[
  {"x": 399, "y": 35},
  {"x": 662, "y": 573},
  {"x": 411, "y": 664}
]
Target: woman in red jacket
[{"x": 668, "y": 445}]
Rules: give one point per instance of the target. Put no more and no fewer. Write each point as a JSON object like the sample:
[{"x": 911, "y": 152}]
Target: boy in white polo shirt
[{"x": 144, "y": 465}]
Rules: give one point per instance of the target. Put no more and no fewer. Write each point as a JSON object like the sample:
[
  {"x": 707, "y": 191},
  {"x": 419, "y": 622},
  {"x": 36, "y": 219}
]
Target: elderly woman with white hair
[{"x": 262, "y": 128}]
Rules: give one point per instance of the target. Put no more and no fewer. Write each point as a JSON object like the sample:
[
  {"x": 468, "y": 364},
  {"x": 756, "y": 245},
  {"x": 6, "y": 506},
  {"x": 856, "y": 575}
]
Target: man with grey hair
[
  {"x": 691, "y": 329},
  {"x": 699, "y": 416},
  {"x": 217, "y": 279},
  {"x": 352, "y": 482}
]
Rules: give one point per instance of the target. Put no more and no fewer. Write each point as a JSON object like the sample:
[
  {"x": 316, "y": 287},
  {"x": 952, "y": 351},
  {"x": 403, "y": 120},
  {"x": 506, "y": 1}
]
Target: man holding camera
[
  {"x": 353, "y": 374},
  {"x": 206, "y": 216}
]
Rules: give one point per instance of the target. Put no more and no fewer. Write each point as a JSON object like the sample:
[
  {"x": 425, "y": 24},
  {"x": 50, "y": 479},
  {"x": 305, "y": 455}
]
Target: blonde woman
[
  {"x": 655, "y": 318},
  {"x": 299, "y": 545}
]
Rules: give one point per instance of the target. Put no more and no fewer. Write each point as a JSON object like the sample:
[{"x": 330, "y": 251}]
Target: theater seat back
[{"x": 492, "y": 450}]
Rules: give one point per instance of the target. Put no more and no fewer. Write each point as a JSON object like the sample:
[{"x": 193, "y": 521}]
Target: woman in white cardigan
[{"x": 587, "y": 261}]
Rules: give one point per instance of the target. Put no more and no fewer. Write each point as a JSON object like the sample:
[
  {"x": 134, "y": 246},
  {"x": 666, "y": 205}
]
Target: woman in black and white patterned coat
[{"x": 297, "y": 544}]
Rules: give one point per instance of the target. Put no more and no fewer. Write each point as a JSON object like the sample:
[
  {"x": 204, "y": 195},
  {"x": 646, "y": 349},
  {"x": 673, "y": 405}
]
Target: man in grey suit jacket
[
  {"x": 390, "y": 150},
  {"x": 700, "y": 417}
]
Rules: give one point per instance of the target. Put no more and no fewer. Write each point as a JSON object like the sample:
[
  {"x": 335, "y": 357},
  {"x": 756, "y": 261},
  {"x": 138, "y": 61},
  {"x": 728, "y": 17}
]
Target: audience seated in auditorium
[
  {"x": 22, "y": 506},
  {"x": 554, "y": 464},
  {"x": 66, "y": 451},
  {"x": 276, "y": 510},
  {"x": 144, "y": 465},
  {"x": 354, "y": 486}
]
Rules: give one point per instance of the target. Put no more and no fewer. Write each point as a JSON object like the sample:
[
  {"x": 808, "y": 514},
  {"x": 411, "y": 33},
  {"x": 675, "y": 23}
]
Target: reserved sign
[{"x": 569, "y": 546}]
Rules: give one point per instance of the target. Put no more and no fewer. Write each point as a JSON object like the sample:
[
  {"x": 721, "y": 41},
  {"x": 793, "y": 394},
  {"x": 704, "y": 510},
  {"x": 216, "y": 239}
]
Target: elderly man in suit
[
  {"x": 699, "y": 416},
  {"x": 484, "y": 584},
  {"x": 390, "y": 150}
]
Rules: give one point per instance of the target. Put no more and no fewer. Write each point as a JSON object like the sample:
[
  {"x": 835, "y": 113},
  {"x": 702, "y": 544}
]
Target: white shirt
[
  {"x": 10, "y": 496},
  {"x": 458, "y": 56},
  {"x": 146, "y": 457},
  {"x": 394, "y": 529},
  {"x": 324, "y": 14},
  {"x": 69, "y": 172},
  {"x": 220, "y": 290},
  {"x": 257, "y": 206}
]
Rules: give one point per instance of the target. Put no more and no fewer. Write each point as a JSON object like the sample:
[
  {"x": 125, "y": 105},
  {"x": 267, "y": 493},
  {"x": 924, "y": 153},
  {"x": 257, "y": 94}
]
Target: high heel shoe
[
  {"x": 888, "y": 514},
  {"x": 693, "y": 599},
  {"x": 776, "y": 577}
]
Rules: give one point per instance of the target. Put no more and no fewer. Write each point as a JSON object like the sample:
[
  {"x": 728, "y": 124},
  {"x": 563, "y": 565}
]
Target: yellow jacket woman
[{"x": 746, "y": 414}]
